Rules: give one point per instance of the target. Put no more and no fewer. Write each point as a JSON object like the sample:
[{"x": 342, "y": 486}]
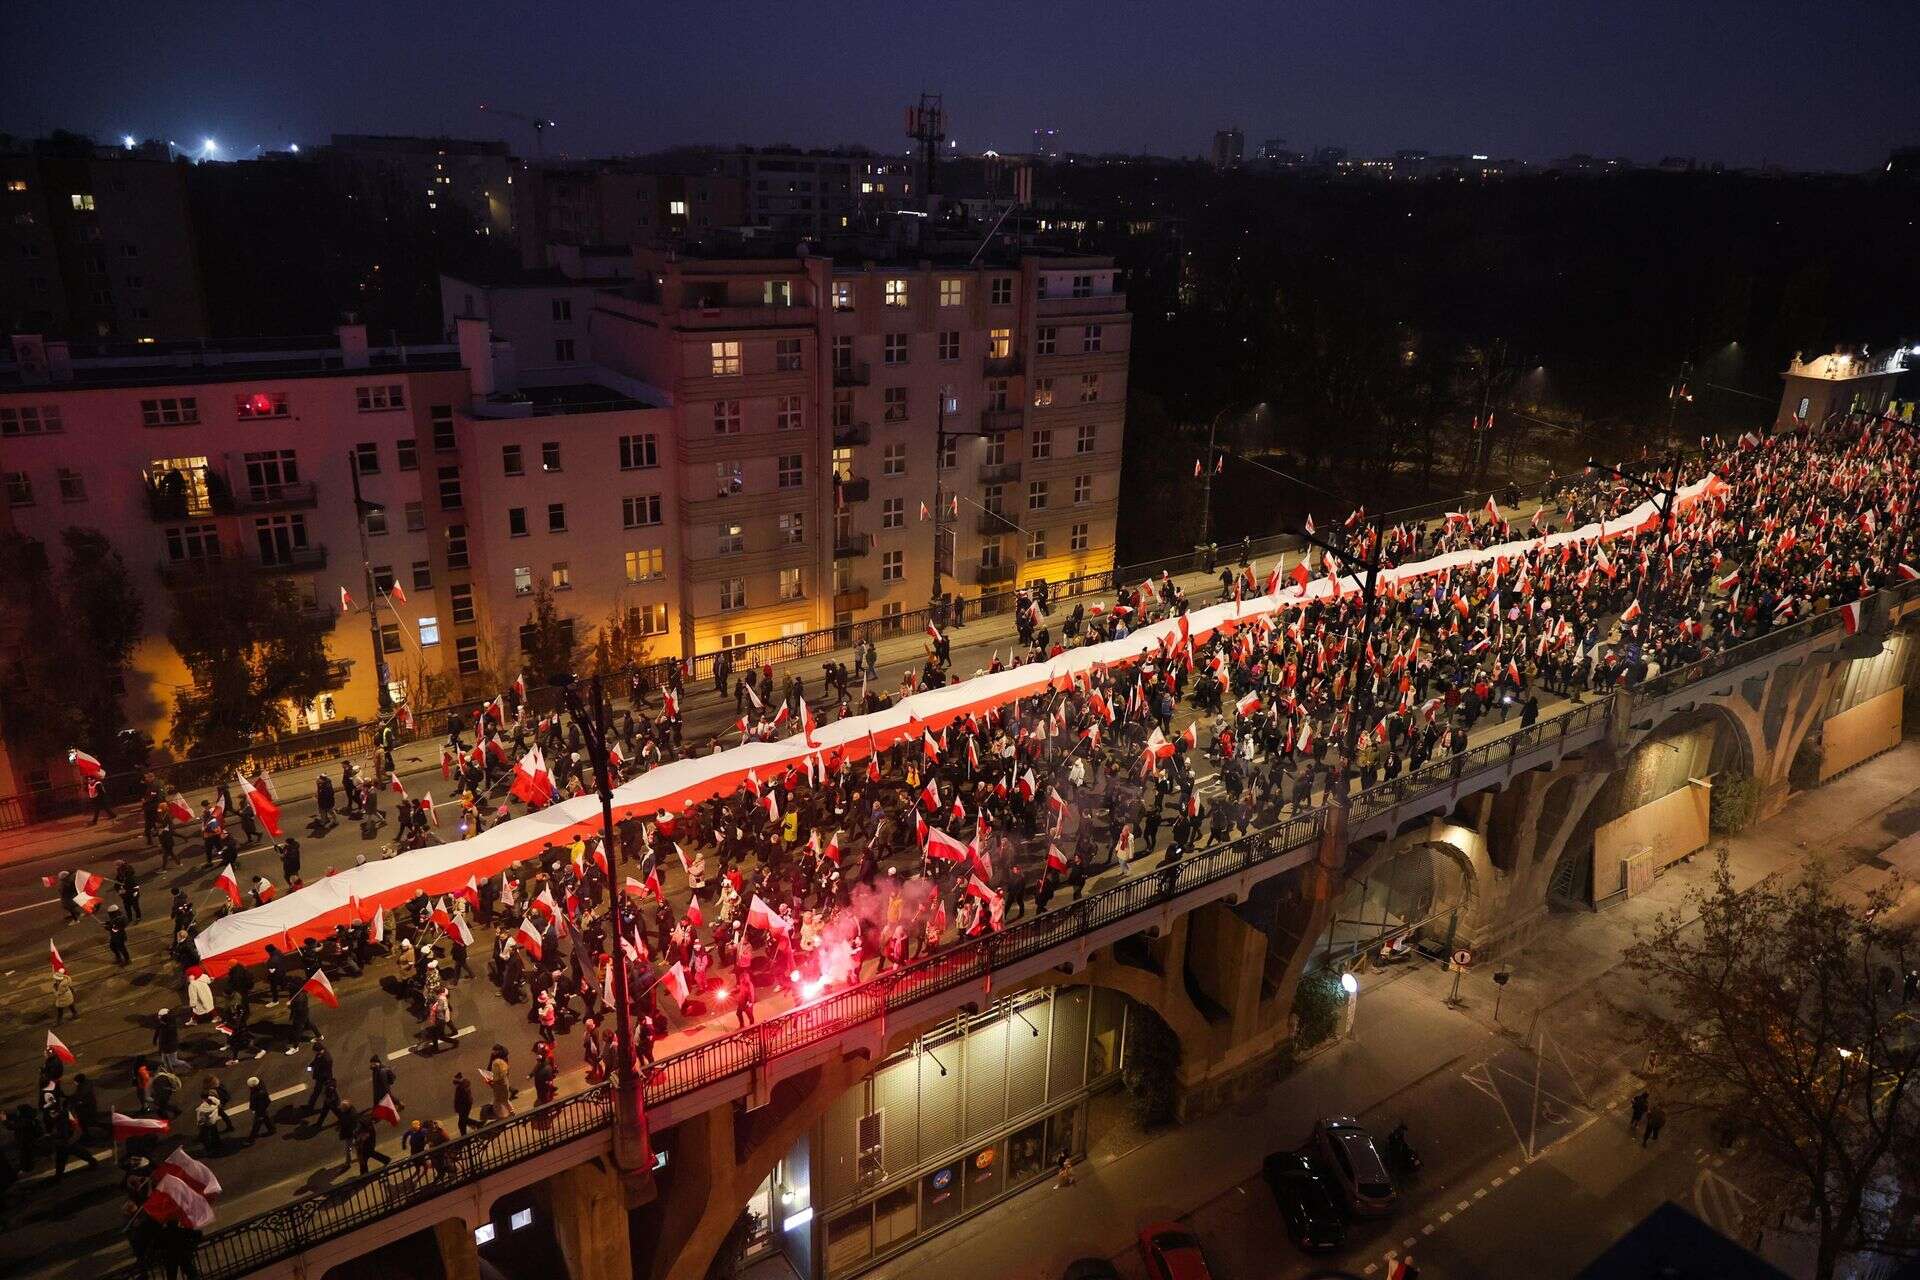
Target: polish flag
[
  {"x": 1193, "y": 804},
  {"x": 462, "y": 932},
  {"x": 1906, "y": 571},
  {"x": 377, "y": 926},
  {"x": 695, "y": 918},
  {"x": 762, "y": 916},
  {"x": 930, "y": 796},
  {"x": 433, "y": 815},
  {"x": 227, "y": 884},
  {"x": 125, "y": 1126},
  {"x": 1249, "y": 704},
  {"x": 470, "y": 892},
  {"x": 403, "y": 716},
  {"x": 1493, "y": 512},
  {"x": 978, "y": 888},
  {"x": 1190, "y": 736},
  {"x": 928, "y": 745},
  {"x": 264, "y": 807},
  {"x": 178, "y": 809},
  {"x": 1158, "y": 748},
  {"x": 53, "y": 956},
  {"x": 670, "y": 705},
  {"x": 183, "y": 1191},
  {"x": 86, "y": 764},
  {"x": 58, "y": 1049},
  {"x": 386, "y": 1109},
  {"x": 549, "y": 909},
  {"x": 944, "y": 847},
  {"x": 396, "y": 594},
  {"x": 1026, "y": 784},
  {"x": 442, "y": 916},
  {"x": 1729, "y": 582},
  {"x": 633, "y": 888},
  {"x": 1632, "y": 612},
  {"x": 1055, "y": 860},
  {"x": 675, "y": 981},
  {"x": 520, "y": 686},
  {"x": 1850, "y": 615},
  {"x": 346, "y": 601},
  {"x": 320, "y": 987},
  {"x": 532, "y": 784},
  {"x": 528, "y": 939}
]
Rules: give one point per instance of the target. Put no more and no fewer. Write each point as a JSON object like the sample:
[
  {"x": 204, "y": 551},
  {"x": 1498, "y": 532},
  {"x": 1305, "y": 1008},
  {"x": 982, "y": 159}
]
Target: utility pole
[
  {"x": 1675, "y": 394},
  {"x": 632, "y": 1150},
  {"x": 361, "y": 510},
  {"x": 1212, "y": 461},
  {"x": 1665, "y": 493}
]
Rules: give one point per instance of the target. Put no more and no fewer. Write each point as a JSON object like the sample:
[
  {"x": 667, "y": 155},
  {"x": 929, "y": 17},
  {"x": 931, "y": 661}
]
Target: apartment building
[
  {"x": 815, "y": 194},
  {"x": 619, "y": 202},
  {"x": 96, "y": 242},
  {"x": 475, "y": 175},
  {"x": 192, "y": 457},
  {"x": 809, "y": 397}
]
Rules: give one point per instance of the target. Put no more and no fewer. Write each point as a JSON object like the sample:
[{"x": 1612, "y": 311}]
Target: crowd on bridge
[{"x": 832, "y": 870}]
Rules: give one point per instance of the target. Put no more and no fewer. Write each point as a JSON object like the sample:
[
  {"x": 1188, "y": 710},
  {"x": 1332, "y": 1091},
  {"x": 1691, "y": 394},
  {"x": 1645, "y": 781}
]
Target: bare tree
[{"x": 1779, "y": 1012}]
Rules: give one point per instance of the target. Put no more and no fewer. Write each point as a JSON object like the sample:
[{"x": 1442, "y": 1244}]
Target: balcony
[
  {"x": 994, "y": 575},
  {"x": 850, "y": 600},
  {"x": 756, "y": 316},
  {"x": 996, "y": 420},
  {"x": 993, "y": 523},
  {"x": 170, "y": 504},
  {"x": 1001, "y": 366},
  {"x": 178, "y": 574},
  {"x": 999, "y": 472},
  {"x": 852, "y": 544},
  {"x": 294, "y": 496},
  {"x": 289, "y": 559},
  {"x": 854, "y": 433},
  {"x": 319, "y": 614},
  {"x": 1099, "y": 304},
  {"x": 856, "y": 374},
  {"x": 853, "y": 489}
]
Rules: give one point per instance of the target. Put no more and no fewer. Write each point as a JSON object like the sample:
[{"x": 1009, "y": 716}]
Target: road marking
[
  {"x": 1410, "y": 1242},
  {"x": 288, "y": 1092},
  {"x": 1427, "y": 1230},
  {"x": 1446, "y": 1217},
  {"x": 1514, "y": 1170},
  {"x": 401, "y": 1053},
  {"x": 1461, "y": 1207},
  {"x": 1371, "y": 1268},
  {"x": 1481, "y": 1194},
  {"x": 1497, "y": 1181}
]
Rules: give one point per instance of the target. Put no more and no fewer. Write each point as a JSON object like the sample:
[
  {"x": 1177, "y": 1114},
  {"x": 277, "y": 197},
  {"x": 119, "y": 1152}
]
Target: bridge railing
[{"x": 284, "y": 1232}]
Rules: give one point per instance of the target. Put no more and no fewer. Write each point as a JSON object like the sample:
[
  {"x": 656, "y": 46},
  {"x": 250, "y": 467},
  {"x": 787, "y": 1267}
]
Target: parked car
[
  {"x": 1090, "y": 1269},
  {"x": 1346, "y": 1152},
  {"x": 1172, "y": 1253},
  {"x": 1305, "y": 1200}
]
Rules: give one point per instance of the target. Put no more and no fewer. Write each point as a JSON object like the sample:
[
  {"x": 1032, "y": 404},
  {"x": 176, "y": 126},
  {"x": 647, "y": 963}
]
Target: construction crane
[{"x": 540, "y": 126}]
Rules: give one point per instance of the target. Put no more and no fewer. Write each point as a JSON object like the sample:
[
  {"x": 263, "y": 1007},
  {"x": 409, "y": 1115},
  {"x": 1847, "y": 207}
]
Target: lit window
[
  {"x": 677, "y": 208},
  {"x": 646, "y": 564},
  {"x": 793, "y": 528},
  {"x": 261, "y": 404},
  {"x": 523, "y": 580},
  {"x": 953, "y": 293},
  {"x": 562, "y": 578},
  {"x": 843, "y": 295},
  {"x": 83, "y": 200},
  {"x": 999, "y": 343},
  {"x": 732, "y": 540},
  {"x": 726, "y": 359},
  {"x": 793, "y": 583},
  {"x": 896, "y": 293},
  {"x": 1042, "y": 392},
  {"x": 429, "y": 631}
]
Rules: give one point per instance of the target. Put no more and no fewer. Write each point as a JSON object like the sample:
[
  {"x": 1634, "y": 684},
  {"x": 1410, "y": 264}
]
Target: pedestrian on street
[
  {"x": 117, "y": 939},
  {"x": 65, "y": 1003},
  {"x": 128, "y": 882},
  {"x": 366, "y": 1144},
  {"x": 1656, "y": 1120},
  {"x": 463, "y": 1102},
  {"x": 1639, "y": 1111},
  {"x": 260, "y": 1104}
]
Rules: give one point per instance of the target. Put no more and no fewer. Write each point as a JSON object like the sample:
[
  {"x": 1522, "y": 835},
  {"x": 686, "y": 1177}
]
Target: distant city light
[
  {"x": 127, "y": 141},
  {"x": 296, "y": 148},
  {"x": 209, "y": 146}
]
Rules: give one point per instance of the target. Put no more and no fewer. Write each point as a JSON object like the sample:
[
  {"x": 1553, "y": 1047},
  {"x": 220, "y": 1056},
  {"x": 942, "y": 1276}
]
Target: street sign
[{"x": 1463, "y": 959}]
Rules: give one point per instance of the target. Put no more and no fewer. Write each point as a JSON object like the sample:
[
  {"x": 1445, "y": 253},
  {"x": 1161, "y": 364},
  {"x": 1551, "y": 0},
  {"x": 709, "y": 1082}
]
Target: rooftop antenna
[{"x": 927, "y": 125}]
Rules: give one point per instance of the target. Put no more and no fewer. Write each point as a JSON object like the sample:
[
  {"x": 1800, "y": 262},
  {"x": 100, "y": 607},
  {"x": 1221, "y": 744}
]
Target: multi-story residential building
[
  {"x": 1229, "y": 148},
  {"x": 815, "y": 194},
  {"x": 97, "y": 242},
  {"x": 476, "y": 175},
  {"x": 542, "y": 312},
  {"x": 809, "y": 396},
  {"x": 484, "y": 484},
  {"x": 619, "y": 202}
]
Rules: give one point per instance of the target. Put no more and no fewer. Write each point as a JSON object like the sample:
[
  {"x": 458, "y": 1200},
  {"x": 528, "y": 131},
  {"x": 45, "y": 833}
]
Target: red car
[{"x": 1173, "y": 1253}]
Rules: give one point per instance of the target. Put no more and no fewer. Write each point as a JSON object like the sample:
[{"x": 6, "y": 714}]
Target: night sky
[{"x": 1829, "y": 85}]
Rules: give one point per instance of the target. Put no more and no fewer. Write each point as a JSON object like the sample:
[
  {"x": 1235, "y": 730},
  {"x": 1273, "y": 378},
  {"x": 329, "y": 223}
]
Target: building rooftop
[
  {"x": 511, "y": 276},
  {"x": 581, "y": 397},
  {"x": 161, "y": 364},
  {"x": 1845, "y": 366},
  {"x": 1672, "y": 1244}
]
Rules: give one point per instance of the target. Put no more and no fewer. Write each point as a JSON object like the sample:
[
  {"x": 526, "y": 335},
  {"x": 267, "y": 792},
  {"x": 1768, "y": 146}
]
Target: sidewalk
[{"x": 1406, "y": 1035}]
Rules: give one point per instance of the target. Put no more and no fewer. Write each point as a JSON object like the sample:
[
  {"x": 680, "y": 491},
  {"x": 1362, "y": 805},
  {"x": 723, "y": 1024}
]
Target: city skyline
[{"x": 1374, "y": 81}]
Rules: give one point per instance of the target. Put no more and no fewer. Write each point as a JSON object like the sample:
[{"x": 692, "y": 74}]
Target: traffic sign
[{"x": 1463, "y": 959}]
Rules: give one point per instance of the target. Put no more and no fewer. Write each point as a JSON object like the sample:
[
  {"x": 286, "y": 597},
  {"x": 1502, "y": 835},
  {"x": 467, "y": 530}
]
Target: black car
[{"x": 1306, "y": 1202}]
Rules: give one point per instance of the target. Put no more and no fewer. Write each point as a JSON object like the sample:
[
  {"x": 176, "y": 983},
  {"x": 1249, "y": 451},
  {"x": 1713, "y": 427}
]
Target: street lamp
[
  {"x": 631, "y": 1148},
  {"x": 1350, "y": 987},
  {"x": 362, "y": 508},
  {"x": 1206, "y": 499},
  {"x": 948, "y": 404}
]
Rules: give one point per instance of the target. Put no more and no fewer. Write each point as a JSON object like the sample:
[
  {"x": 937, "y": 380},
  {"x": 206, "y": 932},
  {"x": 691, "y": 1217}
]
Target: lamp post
[
  {"x": 1206, "y": 494},
  {"x": 940, "y": 437},
  {"x": 362, "y": 508},
  {"x": 631, "y": 1148}
]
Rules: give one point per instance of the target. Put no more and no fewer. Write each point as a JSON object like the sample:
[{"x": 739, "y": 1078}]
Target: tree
[
  {"x": 547, "y": 639},
  {"x": 619, "y": 644},
  {"x": 256, "y": 653},
  {"x": 1779, "y": 1011},
  {"x": 40, "y": 716},
  {"x": 105, "y": 617}
]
